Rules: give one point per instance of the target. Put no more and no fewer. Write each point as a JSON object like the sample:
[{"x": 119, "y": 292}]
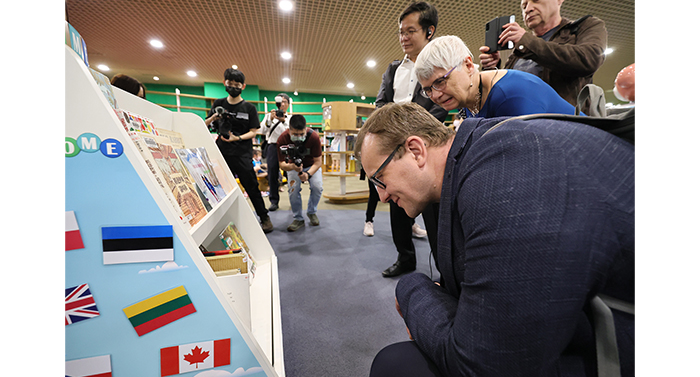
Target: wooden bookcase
[
  {"x": 250, "y": 303},
  {"x": 341, "y": 119}
]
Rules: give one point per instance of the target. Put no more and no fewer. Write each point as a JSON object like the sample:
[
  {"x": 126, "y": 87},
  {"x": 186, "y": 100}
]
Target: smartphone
[{"x": 494, "y": 28}]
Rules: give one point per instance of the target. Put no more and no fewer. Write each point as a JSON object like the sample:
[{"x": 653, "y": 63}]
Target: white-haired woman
[{"x": 450, "y": 79}]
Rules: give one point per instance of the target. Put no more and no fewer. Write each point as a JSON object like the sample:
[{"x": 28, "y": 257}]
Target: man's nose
[{"x": 383, "y": 195}]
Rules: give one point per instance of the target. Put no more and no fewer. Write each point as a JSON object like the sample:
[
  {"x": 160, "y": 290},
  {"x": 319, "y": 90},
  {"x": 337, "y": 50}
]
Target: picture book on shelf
[
  {"x": 105, "y": 87},
  {"x": 177, "y": 178},
  {"x": 157, "y": 173},
  {"x": 231, "y": 239},
  {"x": 202, "y": 174},
  {"x": 135, "y": 122},
  {"x": 174, "y": 138}
]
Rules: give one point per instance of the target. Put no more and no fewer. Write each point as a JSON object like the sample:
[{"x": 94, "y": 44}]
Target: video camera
[
  {"x": 224, "y": 115},
  {"x": 294, "y": 154}
]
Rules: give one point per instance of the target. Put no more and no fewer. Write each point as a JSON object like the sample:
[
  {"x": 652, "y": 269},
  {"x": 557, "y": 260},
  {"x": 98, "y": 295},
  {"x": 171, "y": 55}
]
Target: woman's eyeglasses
[{"x": 439, "y": 84}]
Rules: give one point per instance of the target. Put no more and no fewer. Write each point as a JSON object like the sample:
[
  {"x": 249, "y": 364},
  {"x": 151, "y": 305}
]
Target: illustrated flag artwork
[
  {"x": 135, "y": 244},
  {"x": 73, "y": 238},
  {"x": 195, "y": 356},
  {"x": 159, "y": 310},
  {"x": 98, "y": 366},
  {"x": 79, "y": 304}
]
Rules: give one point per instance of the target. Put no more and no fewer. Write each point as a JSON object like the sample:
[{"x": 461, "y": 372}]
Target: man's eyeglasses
[
  {"x": 408, "y": 33},
  {"x": 374, "y": 178},
  {"x": 439, "y": 85}
]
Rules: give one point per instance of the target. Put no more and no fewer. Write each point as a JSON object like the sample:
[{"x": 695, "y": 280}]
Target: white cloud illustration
[
  {"x": 237, "y": 373},
  {"x": 167, "y": 266}
]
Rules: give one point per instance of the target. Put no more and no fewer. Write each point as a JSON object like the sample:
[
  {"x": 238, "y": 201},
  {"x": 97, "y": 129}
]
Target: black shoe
[
  {"x": 273, "y": 207},
  {"x": 397, "y": 269}
]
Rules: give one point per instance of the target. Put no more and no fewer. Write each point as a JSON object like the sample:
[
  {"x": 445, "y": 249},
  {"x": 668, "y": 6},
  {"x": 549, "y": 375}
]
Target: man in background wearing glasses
[{"x": 417, "y": 25}]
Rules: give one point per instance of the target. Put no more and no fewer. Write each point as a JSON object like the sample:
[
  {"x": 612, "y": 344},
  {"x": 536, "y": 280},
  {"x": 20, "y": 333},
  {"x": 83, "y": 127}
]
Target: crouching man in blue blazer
[{"x": 536, "y": 219}]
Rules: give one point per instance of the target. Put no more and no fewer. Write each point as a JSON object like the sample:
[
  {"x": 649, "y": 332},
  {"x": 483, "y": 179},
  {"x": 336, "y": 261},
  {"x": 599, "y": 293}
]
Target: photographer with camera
[
  {"x": 272, "y": 126},
  {"x": 236, "y": 122},
  {"x": 299, "y": 154}
]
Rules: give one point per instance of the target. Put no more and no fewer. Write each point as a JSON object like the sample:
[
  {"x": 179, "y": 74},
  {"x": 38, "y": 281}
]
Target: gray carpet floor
[{"x": 337, "y": 309}]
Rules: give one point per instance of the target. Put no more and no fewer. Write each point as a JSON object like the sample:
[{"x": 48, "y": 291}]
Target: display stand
[
  {"x": 341, "y": 119},
  {"x": 121, "y": 191}
]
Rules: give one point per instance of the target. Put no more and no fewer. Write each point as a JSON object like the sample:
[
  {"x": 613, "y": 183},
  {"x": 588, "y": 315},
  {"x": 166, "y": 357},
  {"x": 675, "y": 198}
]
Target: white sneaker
[
  {"x": 369, "y": 229},
  {"x": 418, "y": 232}
]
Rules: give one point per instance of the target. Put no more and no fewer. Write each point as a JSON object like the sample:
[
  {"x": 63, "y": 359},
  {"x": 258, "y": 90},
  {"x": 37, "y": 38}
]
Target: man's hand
[
  {"x": 398, "y": 309},
  {"x": 304, "y": 177},
  {"x": 512, "y": 32},
  {"x": 488, "y": 61},
  {"x": 231, "y": 138}
]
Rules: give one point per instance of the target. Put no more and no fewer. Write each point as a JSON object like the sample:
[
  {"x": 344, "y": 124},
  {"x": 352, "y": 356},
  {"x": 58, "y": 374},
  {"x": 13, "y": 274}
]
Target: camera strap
[{"x": 272, "y": 130}]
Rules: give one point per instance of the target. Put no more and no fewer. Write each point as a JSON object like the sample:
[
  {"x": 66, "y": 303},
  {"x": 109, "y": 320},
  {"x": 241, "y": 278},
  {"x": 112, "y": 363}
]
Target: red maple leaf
[{"x": 196, "y": 356}]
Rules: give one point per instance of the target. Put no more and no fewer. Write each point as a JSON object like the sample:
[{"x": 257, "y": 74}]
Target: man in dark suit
[
  {"x": 417, "y": 25},
  {"x": 536, "y": 219}
]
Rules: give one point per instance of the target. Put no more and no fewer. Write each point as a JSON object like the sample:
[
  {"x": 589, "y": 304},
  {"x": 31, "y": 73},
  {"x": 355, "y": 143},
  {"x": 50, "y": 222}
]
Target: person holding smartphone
[{"x": 563, "y": 53}]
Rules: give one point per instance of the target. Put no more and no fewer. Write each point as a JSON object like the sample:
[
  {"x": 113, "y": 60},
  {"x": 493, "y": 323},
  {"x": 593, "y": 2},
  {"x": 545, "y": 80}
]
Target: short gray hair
[{"x": 444, "y": 52}]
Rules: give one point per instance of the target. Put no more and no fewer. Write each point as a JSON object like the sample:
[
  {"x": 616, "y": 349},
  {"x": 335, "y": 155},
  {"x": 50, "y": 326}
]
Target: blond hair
[{"x": 394, "y": 123}]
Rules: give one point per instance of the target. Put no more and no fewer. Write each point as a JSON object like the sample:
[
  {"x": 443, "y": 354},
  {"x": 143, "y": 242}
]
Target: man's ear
[{"x": 418, "y": 149}]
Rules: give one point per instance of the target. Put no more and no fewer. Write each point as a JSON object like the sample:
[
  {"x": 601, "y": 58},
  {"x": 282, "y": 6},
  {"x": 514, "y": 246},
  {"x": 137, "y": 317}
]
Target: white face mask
[{"x": 298, "y": 139}]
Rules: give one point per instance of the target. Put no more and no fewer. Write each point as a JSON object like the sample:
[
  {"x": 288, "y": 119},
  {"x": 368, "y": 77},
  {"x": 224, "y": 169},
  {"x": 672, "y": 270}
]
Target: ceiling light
[
  {"x": 286, "y": 80},
  {"x": 286, "y": 5},
  {"x": 608, "y": 51},
  {"x": 192, "y": 73},
  {"x": 371, "y": 63},
  {"x": 351, "y": 85},
  {"x": 156, "y": 43},
  {"x": 156, "y": 78},
  {"x": 363, "y": 98},
  {"x": 234, "y": 66},
  {"x": 286, "y": 55},
  {"x": 103, "y": 67}
]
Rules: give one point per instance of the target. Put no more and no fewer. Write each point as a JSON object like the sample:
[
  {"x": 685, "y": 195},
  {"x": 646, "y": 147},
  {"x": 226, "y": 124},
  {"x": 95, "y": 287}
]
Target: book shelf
[
  {"x": 341, "y": 119},
  {"x": 244, "y": 307}
]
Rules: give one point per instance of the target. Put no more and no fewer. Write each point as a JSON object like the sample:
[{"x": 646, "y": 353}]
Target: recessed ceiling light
[
  {"x": 286, "y": 5},
  {"x": 351, "y": 85},
  {"x": 103, "y": 67},
  {"x": 608, "y": 51},
  {"x": 156, "y": 43},
  {"x": 286, "y": 55},
  {"x": 234, "y": 66},
  {"x": 286, "y": 80},
  {"x": 156, "y": 78},
  {"x": 371, "y": 63},
  {"x": 192, "y": 73}
]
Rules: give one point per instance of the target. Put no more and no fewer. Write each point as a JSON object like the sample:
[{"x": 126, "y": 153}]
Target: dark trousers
[
  {"x": 371, "y": 202},
  {"x": 403, "y": 359},
  {"x": 402, "y": 234},
  {"x": 273, "y": 173},
  {"x": 243, "y": 169}
]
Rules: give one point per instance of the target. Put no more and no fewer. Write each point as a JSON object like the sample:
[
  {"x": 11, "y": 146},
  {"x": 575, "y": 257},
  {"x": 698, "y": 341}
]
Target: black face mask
[{"x": 233, "y": 91}]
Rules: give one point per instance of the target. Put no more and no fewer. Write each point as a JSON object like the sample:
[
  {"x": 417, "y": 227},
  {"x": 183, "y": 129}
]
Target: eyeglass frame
[
  {"x": 433, "y": 87},
  {"x": 374, "y": 179},
  {"x": 408, "y": 33}
]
